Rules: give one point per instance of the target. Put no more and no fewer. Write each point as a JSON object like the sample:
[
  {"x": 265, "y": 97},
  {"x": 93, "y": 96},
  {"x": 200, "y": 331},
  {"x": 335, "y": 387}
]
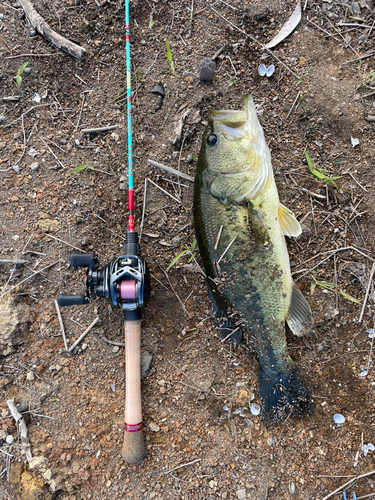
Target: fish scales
[{"x": 249, "y": 271}]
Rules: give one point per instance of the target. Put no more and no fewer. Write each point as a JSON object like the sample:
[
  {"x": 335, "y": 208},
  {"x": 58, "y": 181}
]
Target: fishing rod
[{"x": 125, "y": 281}]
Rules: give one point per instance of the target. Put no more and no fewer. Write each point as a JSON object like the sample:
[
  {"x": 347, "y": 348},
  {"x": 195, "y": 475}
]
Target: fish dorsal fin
[
  {"x": 288, "y": 223},
  {"x": 299, "y": 316}
]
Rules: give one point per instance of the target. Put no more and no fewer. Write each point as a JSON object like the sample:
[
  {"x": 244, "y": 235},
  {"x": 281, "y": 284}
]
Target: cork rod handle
[{"x": 133, "y": 449}]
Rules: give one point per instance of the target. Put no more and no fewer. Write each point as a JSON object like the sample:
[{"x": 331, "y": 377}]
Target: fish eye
[{"x": 212, "y": 140}]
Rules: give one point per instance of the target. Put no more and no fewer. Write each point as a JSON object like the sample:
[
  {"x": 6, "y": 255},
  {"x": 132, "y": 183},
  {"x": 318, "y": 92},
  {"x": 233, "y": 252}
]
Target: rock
[
  {"x": 40, "y": 463},
  {"x": 48, "y": 225},
  {"x": 146, "y": 361},
  {"x": 9, "y": 439},
  {"x": 153, "y": 427},
  {"x": 14, "y": 320},
  {"x": 34, "y": 166},
  {"x": 48, "y": 475},
  {"x": 115, "y": 137},
  {"x": 207, "y": 70},
  {"x": 241, "y": 494},
  {"x": 123, "y": 183},
  {"x": 54, "y": 368},
  {"x": 30, "y": 376}
]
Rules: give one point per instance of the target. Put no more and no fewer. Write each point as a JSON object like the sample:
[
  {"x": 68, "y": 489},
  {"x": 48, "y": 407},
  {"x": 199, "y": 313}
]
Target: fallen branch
[
  {"x": 21, "y": 428},
  {"x": 40, "y": 25},
  {"x": 98, "y": 130},
  {"x": 96, "y": 320},
  {"x": 171, "y": 170}
]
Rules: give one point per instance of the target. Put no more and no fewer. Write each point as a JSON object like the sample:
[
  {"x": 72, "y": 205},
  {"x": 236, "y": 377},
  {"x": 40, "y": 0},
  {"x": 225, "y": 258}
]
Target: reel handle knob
[
  {"x": 72, "y": 300},
  {"x": 81, "y": 259}
]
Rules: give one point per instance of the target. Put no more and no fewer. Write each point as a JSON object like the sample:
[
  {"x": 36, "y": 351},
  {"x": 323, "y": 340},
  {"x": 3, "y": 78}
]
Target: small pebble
[
  {"x": 363, "y": 373},
  {"x": 292, "y": 488},
  {"x": 34, "y": 166},
  {"x": 153, "y": 427},
  {"x": 241, "y": 494},
  {"x": 113, "y": 387},
  {"x": 189, "y": 159},
  {"x": 262, "y": 70},
  {"x": 371, "y": 333},
  {"x": 370, "y": 447},
  {"x": 255, "y": 409},
  {"x": 225, "y": 408},
  {"x": 1, "y": 16},
  {"x": 76, "y": 142},
  {"x": 365, "y": 449},
  {"x": 84, "y": 347},
  {"x": 3, "y": 119},
  {"x": 30, "y": 376},
  {"x": 116, "y": 349},
  {"x": 32, "y": 32},
  {"x": 339, "y": 419},
  {"x": 9, "y": 439},
  {"x": 27, "y": 71},
  {"x": 320, "y": 347}
]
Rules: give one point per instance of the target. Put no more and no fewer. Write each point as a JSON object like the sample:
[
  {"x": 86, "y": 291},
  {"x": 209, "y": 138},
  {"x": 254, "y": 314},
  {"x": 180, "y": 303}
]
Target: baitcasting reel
[{"x": 125, "y": 281}]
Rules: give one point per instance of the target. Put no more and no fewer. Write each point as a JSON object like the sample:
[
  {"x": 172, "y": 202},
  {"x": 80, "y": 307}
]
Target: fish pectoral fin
[
  {"x": 299, "y": 316},
  {"x": 288, "y": 223}
]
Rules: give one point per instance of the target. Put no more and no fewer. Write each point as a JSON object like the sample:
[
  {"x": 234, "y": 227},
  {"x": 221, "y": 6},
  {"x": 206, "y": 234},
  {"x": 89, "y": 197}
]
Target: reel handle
[
  {"x": 81, "y": 259},
  {"x": 72, "y": 300}
]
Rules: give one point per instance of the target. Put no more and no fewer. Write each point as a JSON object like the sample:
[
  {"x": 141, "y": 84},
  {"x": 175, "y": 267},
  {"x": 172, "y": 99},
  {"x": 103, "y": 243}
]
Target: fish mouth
[{"x": 236, "y": 124}]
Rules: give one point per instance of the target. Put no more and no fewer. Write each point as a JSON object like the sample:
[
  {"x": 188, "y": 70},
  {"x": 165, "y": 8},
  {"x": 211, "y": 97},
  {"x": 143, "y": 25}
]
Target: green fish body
[{"x": 247, "y": 264}]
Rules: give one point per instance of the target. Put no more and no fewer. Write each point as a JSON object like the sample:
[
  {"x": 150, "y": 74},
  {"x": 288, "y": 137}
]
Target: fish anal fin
[
  {"x": 222, "y": 309},
  {"x": 299, "y": 316},
  {"x": 288, "y": 223}
]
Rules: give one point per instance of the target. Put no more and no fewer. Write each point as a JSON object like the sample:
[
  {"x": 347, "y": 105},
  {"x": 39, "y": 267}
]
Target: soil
[{"x": 202, "y": 440}]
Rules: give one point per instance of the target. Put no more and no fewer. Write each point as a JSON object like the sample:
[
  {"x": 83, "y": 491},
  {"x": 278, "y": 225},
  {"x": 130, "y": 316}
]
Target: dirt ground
[{"x": 202, "y": 440}]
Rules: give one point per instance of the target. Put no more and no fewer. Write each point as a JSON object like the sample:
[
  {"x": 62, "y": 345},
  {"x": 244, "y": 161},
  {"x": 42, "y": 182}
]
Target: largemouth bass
[{"x": 247, "y": 265}]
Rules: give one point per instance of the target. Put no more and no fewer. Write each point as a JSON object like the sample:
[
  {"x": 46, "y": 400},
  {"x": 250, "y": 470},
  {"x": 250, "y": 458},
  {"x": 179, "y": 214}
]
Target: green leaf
[
  {"x": 151, "y": 24},
  {"x": 231, "y": 82},
  {"x": 22, "y": 68},
  {"x": 169, "y": 55},
  {"x": 80, "y": 168},
  {"x": 19, "y": 80},
  {"x": 319, "y": 174},
  {"x": 349, "y": 297},
  {"x": 176, "y": 259}
]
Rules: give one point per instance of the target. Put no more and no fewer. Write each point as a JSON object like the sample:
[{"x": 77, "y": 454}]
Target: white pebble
[
  {"x": 363, "y": 373},
  {"x": 9, "y": 439},
  {"x": 365, "y": 449},
  {"x": 370, "y": 447},
  {"x": 255, "y": 409},
  {"x": 371, "y": 333},
  {"x": 153, "y": 427},
  {"x": 339, "y": 419}
]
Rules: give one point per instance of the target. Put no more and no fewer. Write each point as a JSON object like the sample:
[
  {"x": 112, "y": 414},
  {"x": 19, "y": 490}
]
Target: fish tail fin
[{"x": 283, "y": 394}]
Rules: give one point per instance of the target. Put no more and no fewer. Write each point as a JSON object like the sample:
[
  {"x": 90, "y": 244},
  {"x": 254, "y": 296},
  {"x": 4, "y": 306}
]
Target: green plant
[
  {"x": 187, "y": 251},
  {"x": 151, "y": 24},
  {"x": 331, "y": 286},
  {"x": 21, "y": 69},
  {"x": 169, "y": 55},
  {"x": 86, "y": 24},
  {"x": 80, "y": 168},
  {"x": 320, "y": 174},
  {"x": 139, "y": 78}
]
